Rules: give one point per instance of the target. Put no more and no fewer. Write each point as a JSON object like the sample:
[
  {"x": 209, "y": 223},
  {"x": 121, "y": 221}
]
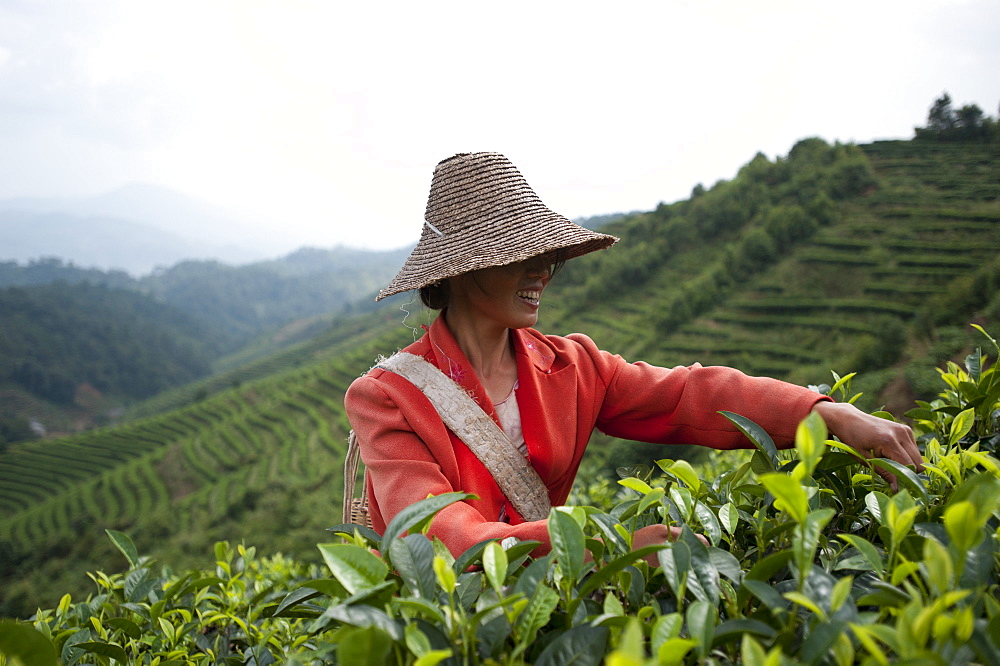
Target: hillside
[
  {"x": 70, "y": 353},
  {"x": 835, "y": 258},
  {"x": 68, "y": 328},
  {"x": 804, "y": 265}
]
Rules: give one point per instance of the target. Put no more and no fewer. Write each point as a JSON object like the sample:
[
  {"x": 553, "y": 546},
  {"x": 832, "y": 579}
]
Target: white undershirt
[{"x": 510, "y": 420}]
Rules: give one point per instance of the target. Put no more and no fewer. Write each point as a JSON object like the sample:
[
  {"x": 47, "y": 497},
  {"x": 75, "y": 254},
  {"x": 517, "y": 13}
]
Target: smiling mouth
[{"x": 529, "y": 296}]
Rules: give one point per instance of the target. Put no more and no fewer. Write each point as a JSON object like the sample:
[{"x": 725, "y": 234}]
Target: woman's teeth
[{"x": 530, "y": 296}]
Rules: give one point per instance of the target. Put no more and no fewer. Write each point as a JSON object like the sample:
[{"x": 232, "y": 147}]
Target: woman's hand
[
  {"x": 872, "y": 436},
  {"x": 655, "y": 535}
]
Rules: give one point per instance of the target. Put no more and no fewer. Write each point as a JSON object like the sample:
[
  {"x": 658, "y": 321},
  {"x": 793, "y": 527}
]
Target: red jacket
[{"x": 566, "y": 388}]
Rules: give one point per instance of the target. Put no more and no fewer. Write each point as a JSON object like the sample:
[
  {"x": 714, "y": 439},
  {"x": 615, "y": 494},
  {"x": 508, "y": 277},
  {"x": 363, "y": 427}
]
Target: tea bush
[{"x": 811, "y": 558}]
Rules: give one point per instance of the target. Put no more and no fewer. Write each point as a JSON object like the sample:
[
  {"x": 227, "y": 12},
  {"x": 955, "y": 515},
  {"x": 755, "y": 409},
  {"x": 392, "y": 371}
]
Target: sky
[{"x": 322, "y": 121}]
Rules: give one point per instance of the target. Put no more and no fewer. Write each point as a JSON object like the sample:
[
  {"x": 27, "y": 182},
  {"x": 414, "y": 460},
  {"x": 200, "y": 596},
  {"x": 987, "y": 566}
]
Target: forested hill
[
  {"x": 78, "y": 344},
  {"x": 238, "y": 302},
  {"x": 869, "y": 258}
]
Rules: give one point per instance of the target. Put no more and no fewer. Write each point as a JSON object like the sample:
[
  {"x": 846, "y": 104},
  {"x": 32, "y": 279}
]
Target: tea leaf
[
  {"x": 789, "y": 495},
  {"x": 960, "y": 426},
  {"x": 354, "y": 567},
  {"x": 729, "y": 517},
  {"x": 445, "y": 575},
  {"x": 810, "y": 438},
  {"x": 964, "y": 528},
  {"x": 418, "y": 514},
  {"x": 124, "y": 544},
  {"x": 664, "y": 628},
  {"x": 905, "y": 477},
  {"x": 673, "y": 651},
  {"x": 701, "y": 618},
  {"x": 866, "y": 549},
  {"x": 367, "y": 646},
  {"x": 495, "y": 565},
  {"x": 579, "y": 646},
  {"x": 25, "y": 644},
  {"x": 682, "y": 470},
  {"x": 567, "y": 543},
  {"x": 413, "y": 557},
  {"x": 757, "y": 435},
  {"x": 635, "y": 484}
]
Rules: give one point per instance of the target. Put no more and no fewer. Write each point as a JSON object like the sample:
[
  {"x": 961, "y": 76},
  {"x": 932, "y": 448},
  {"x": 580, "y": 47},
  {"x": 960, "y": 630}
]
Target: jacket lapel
[{"x": 547, "y": 399}]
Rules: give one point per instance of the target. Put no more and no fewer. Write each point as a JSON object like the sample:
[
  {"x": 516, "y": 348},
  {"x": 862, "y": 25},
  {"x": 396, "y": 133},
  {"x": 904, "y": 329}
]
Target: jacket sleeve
[
  {"x": 681, "y": 405},
  {"x": 409, "y": 455}
]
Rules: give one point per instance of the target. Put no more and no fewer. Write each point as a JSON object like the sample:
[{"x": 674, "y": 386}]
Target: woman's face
[{"x": 506, "y": 295}]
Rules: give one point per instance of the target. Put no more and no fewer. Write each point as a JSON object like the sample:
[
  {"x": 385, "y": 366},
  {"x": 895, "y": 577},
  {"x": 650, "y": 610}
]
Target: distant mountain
[
  {"x": 102, "y": 242},
  {"x": 134, "y": 228}
]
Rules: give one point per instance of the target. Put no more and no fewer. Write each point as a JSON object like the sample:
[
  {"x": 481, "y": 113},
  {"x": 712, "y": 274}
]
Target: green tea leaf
[
  {"x": 676, "y": 563},
  {"x": 413, "y": 558},
  {"x": 905, "y": 476},
  {"x": 26, "y": 645},
  {"x": 445, "y": 575},
  {"x": 354, "y": 567},
  {"x": 664, "y": 628},
  {"x": 635, "y": 484},
  {"x": 868, "y": 550},
  {"x": 612, "y": 568},
  {"x": 938, "y": 567},
  {"x": 536, "y": 613},
  {"x": 701, "y": 620},
  {"x": 709, "y": 522},
  {"x": 789, "y": 495},
  {"x": 729, "y": 517},
  {"x": 580, "y": 646},
  {"x": 683, "y": 470},
  {"x": 674, "y": 650},
  {"x": 495, "y": 565},
  {"x": 417, "y": 514},
  {"x": 124, "y": 544},
  {"x": 105, "y": 650},
  {"x": 805, "y": 602},
  {"x": 567, "y": 543},
  {"x": 810, "y": 438},
  {"x": 757, "y": 436},
  {"x": 649, "y": 499},
  {"x": 820, "y": 640},
  {"x": 367, "y": 646},
  {"x": 964, "y": 528},
  {"x": 960, "y": 426}
]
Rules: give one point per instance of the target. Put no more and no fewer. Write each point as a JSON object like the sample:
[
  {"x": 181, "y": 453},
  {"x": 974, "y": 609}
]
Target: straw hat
[{"x": 481, "y": 212}]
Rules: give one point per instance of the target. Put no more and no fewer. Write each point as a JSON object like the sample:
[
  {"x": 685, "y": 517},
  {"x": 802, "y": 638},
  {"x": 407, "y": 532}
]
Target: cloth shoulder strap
[{"x": 513, "y": 473}]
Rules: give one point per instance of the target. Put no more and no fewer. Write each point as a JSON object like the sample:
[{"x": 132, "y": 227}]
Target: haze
[{"x": 322, "y": 121}]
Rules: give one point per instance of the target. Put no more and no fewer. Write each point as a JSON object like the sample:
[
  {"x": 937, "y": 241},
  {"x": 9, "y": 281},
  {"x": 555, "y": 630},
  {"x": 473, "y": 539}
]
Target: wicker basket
[{"x": 355, "y": 508}]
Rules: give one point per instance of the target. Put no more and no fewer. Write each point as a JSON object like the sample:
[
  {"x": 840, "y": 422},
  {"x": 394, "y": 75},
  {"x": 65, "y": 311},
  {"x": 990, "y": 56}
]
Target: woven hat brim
[{"x": 438, "y": 258}]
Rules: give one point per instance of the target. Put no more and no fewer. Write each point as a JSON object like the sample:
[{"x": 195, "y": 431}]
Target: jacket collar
[{"x": 440, "y": 348}]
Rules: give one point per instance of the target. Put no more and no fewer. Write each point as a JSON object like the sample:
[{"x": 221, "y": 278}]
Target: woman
[{"x": 486, "y": 253}]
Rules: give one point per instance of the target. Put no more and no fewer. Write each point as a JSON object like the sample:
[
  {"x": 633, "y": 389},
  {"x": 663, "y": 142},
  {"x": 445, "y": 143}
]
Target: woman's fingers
[
  {"x": 872, "y": 436},
  {"x": 655, "y": 535}
]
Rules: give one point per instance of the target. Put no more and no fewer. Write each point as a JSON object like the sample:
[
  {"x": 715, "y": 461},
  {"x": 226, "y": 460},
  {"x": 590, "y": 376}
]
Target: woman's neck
[{"x": 489, "y": 350}]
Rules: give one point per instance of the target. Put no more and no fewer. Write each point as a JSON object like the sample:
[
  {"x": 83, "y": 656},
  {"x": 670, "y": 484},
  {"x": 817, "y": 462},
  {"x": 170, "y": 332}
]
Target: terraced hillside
[
  {"x": 862, "y": 291},
  {"x": 259, "y": 461},
  {"x": 834, "y": 258}
]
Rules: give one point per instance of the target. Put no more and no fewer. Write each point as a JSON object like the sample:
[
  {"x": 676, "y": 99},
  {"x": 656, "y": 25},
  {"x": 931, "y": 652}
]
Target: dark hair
[{"x": 435, "y": 296}]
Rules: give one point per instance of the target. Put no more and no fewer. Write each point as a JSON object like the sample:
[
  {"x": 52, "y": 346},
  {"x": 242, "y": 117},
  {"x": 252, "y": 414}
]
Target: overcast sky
[{"x": 325, "y": 119}]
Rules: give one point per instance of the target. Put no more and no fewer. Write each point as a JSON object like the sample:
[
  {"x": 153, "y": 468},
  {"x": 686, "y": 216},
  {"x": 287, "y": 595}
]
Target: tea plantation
[
  {"x": 810, "y": 558},
  {"x": 843, "y": 258}
]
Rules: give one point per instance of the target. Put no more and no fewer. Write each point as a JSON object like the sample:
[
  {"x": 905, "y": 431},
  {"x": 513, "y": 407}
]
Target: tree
[
  {"x": 941, "y": 118},
  {"x": 969, "y": 121}
]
